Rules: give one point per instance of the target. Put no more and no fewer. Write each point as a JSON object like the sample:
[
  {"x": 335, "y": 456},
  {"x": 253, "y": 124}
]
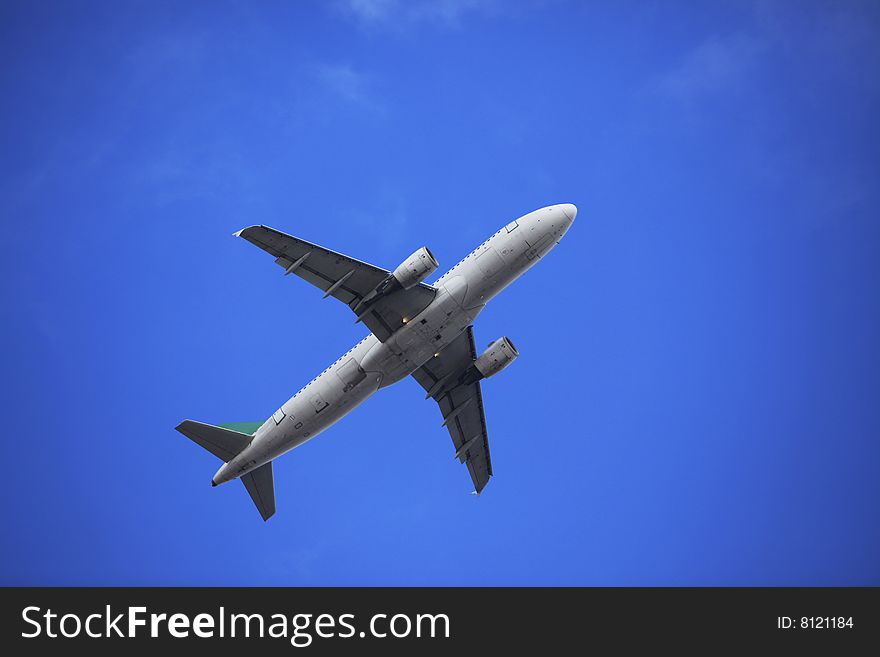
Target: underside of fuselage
[{"x": 459, "y": 297}]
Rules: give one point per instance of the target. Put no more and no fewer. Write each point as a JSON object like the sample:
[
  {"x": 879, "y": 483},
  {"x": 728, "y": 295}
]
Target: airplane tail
[
  {"x": 226, "y": 444},
  {"x": 260, "y": 484}
]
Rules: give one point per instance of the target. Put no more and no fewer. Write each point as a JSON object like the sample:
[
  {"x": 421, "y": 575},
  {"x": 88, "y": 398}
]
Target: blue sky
[{"x": 696, "y": 400}]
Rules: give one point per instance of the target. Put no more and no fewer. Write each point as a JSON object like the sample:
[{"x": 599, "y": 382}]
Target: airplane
[{"x": 416, "y": 329}]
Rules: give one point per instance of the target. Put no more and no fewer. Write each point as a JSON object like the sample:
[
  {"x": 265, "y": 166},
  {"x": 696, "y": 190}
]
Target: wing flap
[
  {"x": 449, "y": 379},
  {"x": 468, "y": 431}
]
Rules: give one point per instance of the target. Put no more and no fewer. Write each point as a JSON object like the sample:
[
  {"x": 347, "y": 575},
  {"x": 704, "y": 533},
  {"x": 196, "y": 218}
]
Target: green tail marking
[{"x": 250, "y": 428}]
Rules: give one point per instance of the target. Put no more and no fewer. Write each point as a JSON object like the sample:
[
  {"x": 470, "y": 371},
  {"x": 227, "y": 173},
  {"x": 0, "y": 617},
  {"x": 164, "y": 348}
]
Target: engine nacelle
[
  {"x": 497, "y": 356},
  {"x": 416, "y": 268}
]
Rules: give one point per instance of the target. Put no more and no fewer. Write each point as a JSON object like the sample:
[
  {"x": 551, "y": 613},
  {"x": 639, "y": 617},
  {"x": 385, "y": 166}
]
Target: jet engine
[
  {"x": 416, "y": 268},
  {"x": 497, "y": 356}
]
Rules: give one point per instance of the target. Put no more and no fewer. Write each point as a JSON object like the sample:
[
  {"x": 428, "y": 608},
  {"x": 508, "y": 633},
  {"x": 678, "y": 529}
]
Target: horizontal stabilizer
[
  {"x": 225, "y": 444},
  {"x": 260, "y": 485}
]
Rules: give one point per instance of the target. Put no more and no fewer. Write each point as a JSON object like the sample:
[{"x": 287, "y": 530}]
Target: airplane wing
[
  {"x": 449, "y": 378},
  {"x": 357, "y": 284}
]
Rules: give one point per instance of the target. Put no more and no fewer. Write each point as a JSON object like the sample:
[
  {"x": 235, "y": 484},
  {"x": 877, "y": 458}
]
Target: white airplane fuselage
[{"x": 462, "y": 293}]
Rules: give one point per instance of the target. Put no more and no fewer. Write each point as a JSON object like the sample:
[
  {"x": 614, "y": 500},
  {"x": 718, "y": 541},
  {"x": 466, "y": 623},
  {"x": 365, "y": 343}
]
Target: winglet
[{"x": 239, "y": 232}]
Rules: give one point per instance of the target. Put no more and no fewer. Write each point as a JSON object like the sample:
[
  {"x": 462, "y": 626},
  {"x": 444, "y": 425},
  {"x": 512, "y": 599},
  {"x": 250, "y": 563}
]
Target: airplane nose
[{"x": 570, "y": 210}]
